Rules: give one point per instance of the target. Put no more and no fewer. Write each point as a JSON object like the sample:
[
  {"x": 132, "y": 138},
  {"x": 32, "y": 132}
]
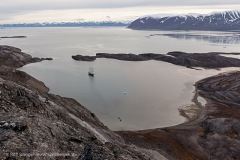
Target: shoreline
[
  {"x": 40, "y": 111},
  {"x": 210, "y": 136},
  {"x": 193, "y": 111}
]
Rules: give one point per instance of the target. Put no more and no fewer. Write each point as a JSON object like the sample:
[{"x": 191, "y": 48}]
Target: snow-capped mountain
[
  {"x": 67, "y": 24},
  {"x": 219, "y": 21}
]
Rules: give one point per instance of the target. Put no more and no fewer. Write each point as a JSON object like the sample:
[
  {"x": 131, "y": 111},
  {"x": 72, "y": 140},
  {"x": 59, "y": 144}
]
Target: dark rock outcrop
[
  {"x": 15, "y": 58},
  {"x": 121, "y": 56},
  {"x": 15, "y": 37},
  {"x": 205, "y": 60},
  {"x": 48, "y": 59},
  {"x": 84, "y": 58},
  {"x": 190, "y": 60}
]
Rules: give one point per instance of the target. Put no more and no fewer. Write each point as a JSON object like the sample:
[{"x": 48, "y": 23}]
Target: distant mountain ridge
[
  {"x": 219, "y": 21},
  {"x": 67, "y": 24}
]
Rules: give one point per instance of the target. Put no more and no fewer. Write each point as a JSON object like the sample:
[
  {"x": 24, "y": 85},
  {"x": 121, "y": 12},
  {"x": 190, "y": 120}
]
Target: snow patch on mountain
[{"x": 227, "y": 20}]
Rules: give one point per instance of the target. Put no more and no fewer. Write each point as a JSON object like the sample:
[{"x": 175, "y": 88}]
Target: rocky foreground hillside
[
  {"x": 37, "y": 125},
  {"x": 219, "y": 21}
]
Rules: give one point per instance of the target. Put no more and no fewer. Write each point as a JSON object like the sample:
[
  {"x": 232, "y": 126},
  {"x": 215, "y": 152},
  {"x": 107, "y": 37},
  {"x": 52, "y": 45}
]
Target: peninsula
[{"x": 190, "y": 60}]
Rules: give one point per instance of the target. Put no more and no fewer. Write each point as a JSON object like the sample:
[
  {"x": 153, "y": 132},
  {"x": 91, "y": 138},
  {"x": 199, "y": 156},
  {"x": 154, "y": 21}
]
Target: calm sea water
[{"x": 143, "y": 94}]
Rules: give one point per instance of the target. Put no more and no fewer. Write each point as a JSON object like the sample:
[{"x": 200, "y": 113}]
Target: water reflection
[{"x": 221, "y": 39}]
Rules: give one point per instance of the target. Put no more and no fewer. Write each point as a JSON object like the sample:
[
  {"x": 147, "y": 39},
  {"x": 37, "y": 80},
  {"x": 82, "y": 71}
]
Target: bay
[{"x": 123, "y": 95}]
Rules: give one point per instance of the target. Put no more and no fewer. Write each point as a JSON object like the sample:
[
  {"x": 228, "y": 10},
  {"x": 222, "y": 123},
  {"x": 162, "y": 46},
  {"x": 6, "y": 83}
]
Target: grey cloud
[
  {"x": 24, "y": 5},
  {"x": 8, "y": 9},
  {"x": 80, "y": 19}
]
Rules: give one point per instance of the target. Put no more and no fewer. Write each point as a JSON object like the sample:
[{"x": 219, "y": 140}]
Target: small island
[{"x": 14, "y": 37}]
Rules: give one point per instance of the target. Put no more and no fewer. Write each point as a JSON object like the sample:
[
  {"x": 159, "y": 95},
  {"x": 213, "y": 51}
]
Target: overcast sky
[{"x": 22, "y": 11}]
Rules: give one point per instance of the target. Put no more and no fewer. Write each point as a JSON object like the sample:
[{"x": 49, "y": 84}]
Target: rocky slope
[
  {"x": 37, "y": 125},
  {"x": 190, "y": 60},
  {"x": 219, "y": 21}
]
